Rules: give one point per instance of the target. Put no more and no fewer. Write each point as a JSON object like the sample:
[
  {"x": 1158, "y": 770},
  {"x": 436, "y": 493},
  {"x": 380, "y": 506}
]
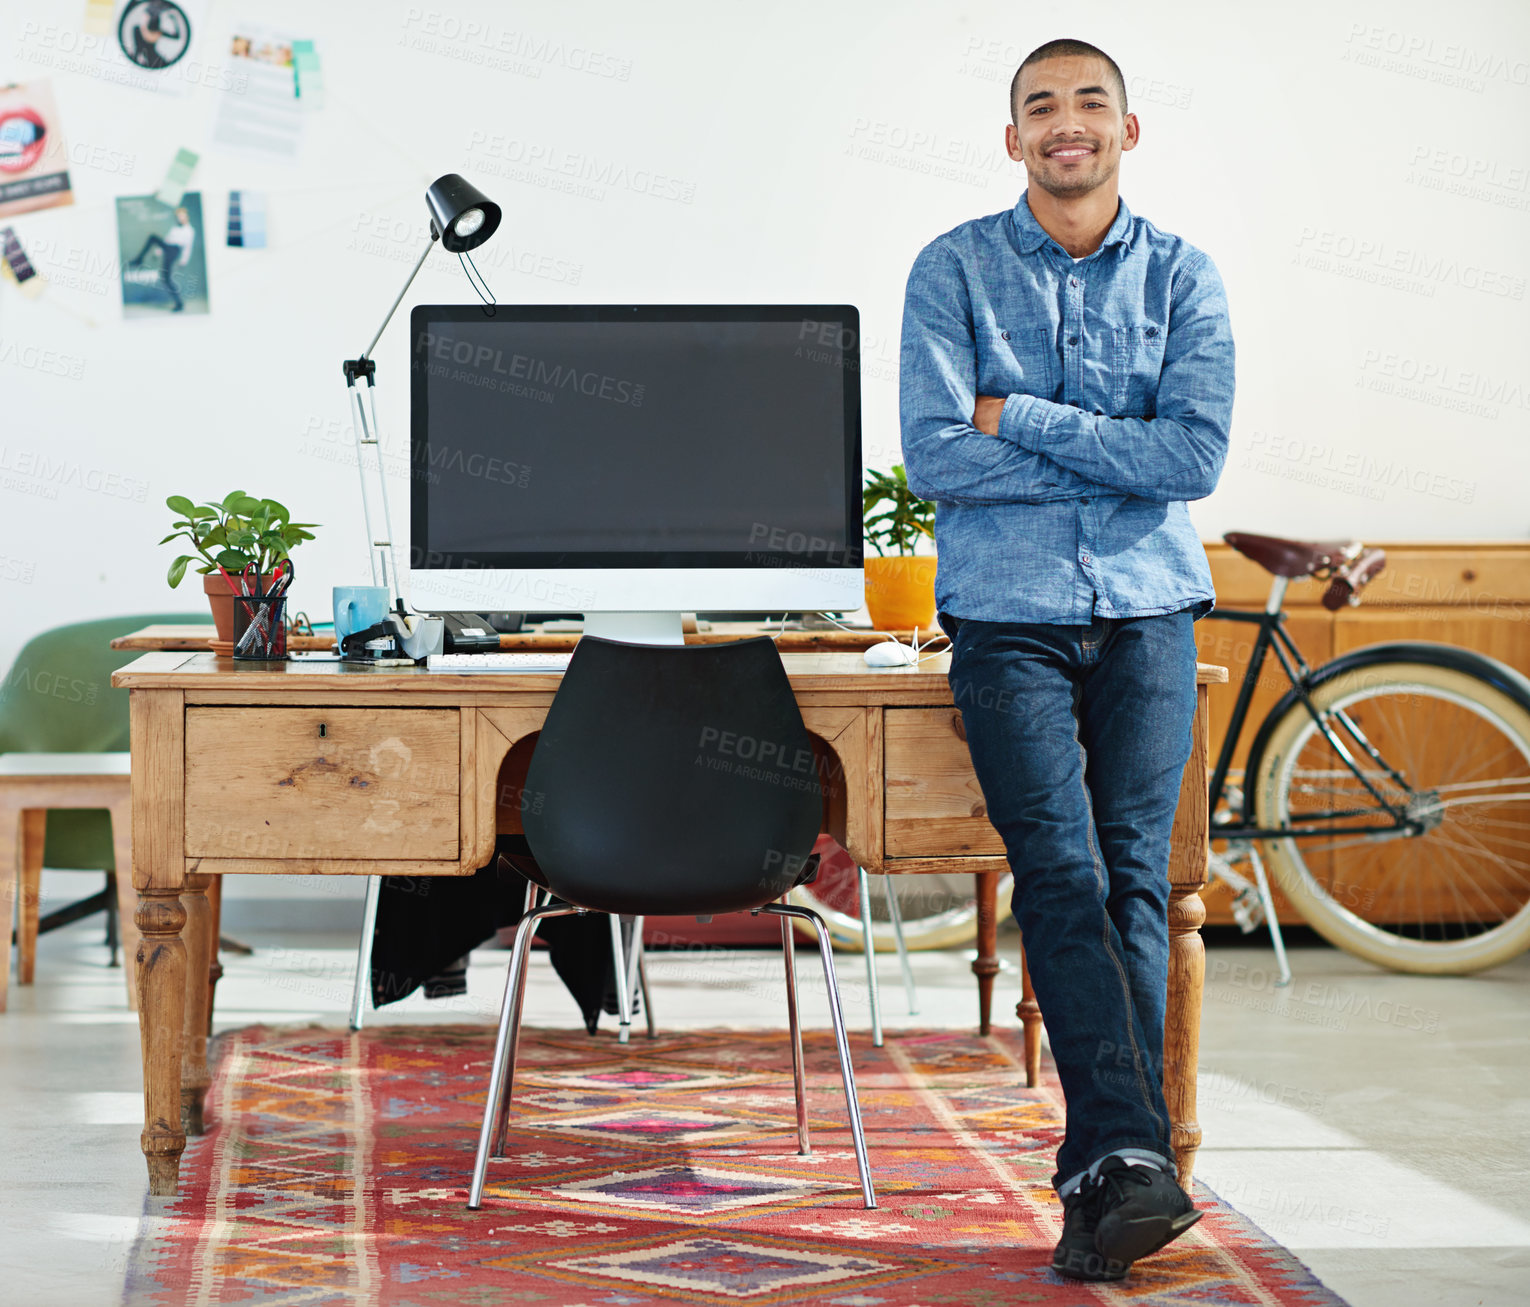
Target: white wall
[{"x": 1312, "y": 148}]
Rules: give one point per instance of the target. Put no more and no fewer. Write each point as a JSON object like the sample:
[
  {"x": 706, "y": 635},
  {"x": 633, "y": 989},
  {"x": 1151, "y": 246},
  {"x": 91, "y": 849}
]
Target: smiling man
[{"x": 1066, "y": 387}]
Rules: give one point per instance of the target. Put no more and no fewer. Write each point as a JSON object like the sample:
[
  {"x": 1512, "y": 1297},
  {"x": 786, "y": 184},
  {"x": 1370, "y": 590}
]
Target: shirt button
[
  {"x": 1084, "y": 558},
  {"x": 1073, "y": 340},
  {"x": 1073, "y": 281}
]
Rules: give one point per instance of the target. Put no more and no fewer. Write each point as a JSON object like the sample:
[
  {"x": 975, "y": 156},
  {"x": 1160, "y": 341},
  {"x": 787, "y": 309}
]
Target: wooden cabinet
[
  {"x": 1475, "y": 595},
  {"x": 323, "y": 783}
]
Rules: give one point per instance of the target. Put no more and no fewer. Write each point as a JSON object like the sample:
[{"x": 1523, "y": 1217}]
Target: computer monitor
[{"x": 633, "y": 462}]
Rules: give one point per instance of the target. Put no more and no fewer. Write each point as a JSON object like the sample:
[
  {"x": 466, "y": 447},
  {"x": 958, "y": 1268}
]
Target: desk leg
[
  {"x": 1188, "y": 855},
  {"x": 161, "y": 1013},
  {"x": 159, "y": 867},
  {"x": 986, "y": 965},
  {"x": 199, "y": 955},
  {"x": 1029, "y": 1012}
]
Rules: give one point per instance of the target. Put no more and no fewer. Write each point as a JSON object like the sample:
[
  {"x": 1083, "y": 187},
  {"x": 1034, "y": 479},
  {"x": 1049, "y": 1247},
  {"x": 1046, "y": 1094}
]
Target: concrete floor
[{"x": 1376, "y": 1125}]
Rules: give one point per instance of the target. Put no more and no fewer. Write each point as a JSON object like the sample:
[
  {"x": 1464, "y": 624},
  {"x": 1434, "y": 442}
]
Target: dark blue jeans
[{"x": 1079, "y": 736}]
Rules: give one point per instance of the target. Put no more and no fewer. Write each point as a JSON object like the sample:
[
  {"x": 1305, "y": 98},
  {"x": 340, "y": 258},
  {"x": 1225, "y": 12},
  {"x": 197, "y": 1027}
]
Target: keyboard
[{"x": 498, "y": 662}]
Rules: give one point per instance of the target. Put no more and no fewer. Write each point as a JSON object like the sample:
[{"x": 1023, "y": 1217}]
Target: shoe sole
[
  {"x": 1090, "y": 1267},
  {"x": 1130, "y": 1241}
]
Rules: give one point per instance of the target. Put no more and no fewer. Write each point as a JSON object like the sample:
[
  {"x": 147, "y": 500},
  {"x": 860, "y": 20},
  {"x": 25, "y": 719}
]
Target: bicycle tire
[
  {"x": 1429, "y": 704},
  {"x": 952, "y": 928}
]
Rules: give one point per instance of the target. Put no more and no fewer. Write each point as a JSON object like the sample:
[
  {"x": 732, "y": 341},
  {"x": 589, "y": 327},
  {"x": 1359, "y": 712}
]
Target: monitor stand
[{"x": 636, "y": 627}]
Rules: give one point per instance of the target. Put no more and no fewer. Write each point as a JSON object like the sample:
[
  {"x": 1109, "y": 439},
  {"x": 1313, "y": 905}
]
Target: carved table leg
[
  {"x": 1029, "y": 1012},
  {"x": 986, "y": 965},
  {"x": 159, "y": 875},
  {"x": 161, "y": 1012},
  {"x": 1189, "y": 848},
  {"x": 199, "y": 954},
  {"x": 1182, "y": 1027}
]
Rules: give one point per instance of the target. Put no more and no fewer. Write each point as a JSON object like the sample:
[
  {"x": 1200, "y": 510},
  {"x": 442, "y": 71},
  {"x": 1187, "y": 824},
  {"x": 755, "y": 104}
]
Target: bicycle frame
[{"x": 1273, "y": 636}]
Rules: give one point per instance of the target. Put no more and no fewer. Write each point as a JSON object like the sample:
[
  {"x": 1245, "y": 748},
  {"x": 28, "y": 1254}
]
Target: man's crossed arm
[{"x": 963, "y": 447}]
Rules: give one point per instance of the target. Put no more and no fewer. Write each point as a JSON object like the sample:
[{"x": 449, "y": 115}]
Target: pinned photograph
[
  {"x": 163, "y": 256},
  {"x": 154, "y": 34},
  {"x": 34, "y": 161}
]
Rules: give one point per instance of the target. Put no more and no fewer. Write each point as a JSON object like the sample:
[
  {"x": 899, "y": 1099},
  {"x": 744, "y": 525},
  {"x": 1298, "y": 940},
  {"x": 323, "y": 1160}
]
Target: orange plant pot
[{"x": 900, "y": 591}]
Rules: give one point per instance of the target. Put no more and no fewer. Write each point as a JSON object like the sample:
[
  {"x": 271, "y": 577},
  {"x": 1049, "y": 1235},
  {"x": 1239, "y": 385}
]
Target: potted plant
[
  {"x": 900, "y": 585},
  {"x": 235, "y": 534}
]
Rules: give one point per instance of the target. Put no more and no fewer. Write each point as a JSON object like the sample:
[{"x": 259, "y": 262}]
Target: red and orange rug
[{"x": 336, "y": 1165}]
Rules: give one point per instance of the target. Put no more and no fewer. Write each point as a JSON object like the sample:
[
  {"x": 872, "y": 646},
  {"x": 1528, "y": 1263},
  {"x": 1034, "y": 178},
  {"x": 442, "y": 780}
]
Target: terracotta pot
[
  {"x": 900, "y": 591},
  {"x": 221, "y": 600}
]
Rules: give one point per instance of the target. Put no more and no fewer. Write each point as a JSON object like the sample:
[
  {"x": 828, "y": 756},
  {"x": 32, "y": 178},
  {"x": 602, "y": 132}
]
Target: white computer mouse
[{"x": 890, "y": 654}]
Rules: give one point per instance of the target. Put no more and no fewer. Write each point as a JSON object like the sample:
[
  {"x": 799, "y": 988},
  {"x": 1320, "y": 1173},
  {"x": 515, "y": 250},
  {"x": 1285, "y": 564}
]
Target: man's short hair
[{"x": 1056, "y": 49}]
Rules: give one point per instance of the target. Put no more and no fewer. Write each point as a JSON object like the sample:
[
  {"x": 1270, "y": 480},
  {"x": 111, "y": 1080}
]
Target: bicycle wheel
[
  {"x": 1454, "y": 898},
  {"x": 938, "y": 910}
]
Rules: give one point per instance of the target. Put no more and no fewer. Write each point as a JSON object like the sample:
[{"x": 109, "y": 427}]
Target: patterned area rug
[{"x": 336, "y": 1165}]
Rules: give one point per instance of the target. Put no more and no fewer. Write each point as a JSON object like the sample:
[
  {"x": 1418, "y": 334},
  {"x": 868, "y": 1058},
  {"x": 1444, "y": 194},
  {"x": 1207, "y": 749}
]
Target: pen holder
[{"x": 260, "y": 628}]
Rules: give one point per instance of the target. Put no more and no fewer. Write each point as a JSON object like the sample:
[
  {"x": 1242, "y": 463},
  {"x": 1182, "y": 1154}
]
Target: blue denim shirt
[{"x": 1119, "y": 376}]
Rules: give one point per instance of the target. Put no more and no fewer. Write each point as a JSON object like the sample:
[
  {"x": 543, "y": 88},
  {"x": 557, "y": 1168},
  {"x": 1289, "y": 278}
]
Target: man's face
[{"x": 1069, "y": 129}]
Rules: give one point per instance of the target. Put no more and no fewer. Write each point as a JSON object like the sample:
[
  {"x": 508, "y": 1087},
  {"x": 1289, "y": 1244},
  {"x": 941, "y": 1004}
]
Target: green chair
[{"x": 63, "y": 743}]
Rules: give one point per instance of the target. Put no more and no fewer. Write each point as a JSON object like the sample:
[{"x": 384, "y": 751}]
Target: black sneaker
[
  {"x": 1075, "y": 1255},
  {"x": 1140, "y": 1210}
]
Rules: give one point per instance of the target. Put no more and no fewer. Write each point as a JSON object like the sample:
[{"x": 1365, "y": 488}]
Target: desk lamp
[{"x": 462, "y": 218}]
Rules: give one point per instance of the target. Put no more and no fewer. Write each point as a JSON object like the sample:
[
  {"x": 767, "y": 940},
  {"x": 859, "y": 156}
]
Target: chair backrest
[
  {"x": 673, "y": 779},
  {"x": 57, "y": 697}
]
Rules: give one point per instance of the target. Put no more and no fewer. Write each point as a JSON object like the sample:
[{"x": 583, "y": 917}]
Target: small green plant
[
  {"x": 895, "y": 516},
  {"x": 233, "y": 534}
]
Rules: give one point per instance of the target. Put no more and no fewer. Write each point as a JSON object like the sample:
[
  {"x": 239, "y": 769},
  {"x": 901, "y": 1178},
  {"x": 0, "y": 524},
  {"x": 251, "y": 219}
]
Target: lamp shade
[{"x": 461, "y": 213}]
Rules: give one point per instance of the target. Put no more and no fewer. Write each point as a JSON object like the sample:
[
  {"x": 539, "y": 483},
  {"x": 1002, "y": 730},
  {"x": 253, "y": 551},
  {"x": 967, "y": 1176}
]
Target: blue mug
[{"x": 357, "y": 607}]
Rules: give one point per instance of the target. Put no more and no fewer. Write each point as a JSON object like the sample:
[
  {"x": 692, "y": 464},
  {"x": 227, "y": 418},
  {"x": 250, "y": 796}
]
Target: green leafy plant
[
  {"x": 895, "y": 516},
  {"x": 233, "y": 534}
]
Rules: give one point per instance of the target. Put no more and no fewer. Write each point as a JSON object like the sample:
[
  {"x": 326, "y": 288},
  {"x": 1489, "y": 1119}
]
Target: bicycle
[
  {"x": 1389, "y": 787},
  {"x": 1404, "y": 852}
]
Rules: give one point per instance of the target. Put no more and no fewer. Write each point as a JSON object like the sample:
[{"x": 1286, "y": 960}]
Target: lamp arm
[{"x": 399, "y": 298}]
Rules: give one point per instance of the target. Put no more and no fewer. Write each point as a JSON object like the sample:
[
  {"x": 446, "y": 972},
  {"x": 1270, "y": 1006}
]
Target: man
[{"x": 1067, "y": 384}]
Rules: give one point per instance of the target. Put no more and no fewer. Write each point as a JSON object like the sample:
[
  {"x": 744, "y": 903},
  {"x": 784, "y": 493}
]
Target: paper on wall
[{"x": 34, "y": 160}]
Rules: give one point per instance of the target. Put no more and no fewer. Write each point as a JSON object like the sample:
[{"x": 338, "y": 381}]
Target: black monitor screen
[{"x": 649, "y": 436}]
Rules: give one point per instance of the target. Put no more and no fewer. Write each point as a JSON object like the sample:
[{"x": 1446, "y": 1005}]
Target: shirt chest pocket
[
  {"x": 1018, "y": 361},
  {"x": 1136, "y": 367}
]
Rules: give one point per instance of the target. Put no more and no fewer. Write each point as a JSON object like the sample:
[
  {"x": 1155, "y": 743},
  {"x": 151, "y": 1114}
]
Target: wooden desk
[{"x": 318, "y": 768}]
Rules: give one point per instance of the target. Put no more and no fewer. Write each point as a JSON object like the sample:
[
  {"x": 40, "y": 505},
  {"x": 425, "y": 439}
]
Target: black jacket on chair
[{"x": 425, "y": 923}]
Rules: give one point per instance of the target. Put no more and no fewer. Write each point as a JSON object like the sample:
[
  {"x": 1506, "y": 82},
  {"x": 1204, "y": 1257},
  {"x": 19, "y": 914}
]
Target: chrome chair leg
[
  {"x": 869, "y": 943},
  {"x": 847, "y": 1072},
  {"x": 535, "y": 895},
  {"x": 896, "y": 916},
  {"x": 799, "y": 1070},
  {"x": 364, "y": 953},
  {"x": 502, "y": 1069},
  {"x": 623, "y": 995}
]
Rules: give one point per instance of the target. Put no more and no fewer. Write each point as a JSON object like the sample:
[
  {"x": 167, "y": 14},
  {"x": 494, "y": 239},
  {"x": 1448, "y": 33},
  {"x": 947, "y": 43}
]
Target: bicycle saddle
[{"x": 1292, "y": 558}]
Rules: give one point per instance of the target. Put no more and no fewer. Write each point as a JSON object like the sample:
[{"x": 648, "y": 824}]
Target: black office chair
[{"x": 671, "y": 780}]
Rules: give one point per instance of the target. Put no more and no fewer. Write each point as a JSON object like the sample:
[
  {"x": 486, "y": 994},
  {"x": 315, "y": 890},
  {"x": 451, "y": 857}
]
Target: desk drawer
[
  {"x": 322, "y": 782},
  {"x": 934, "y": 806}
]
